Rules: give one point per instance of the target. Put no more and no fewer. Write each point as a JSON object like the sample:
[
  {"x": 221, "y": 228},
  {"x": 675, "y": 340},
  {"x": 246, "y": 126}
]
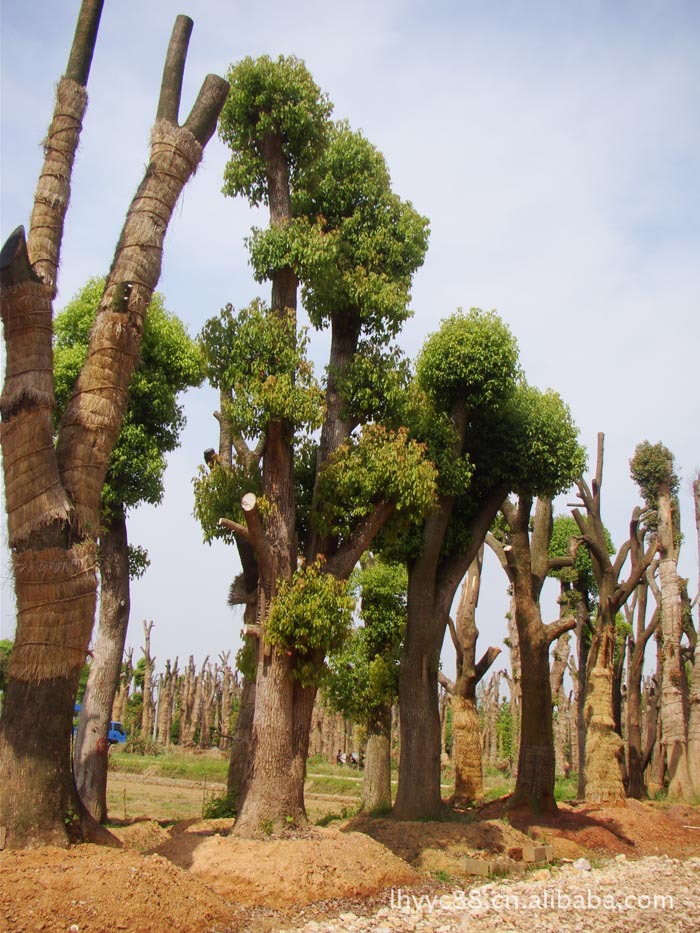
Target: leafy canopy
[
  {"x": 170, "y": 363},
  {"x": 271, "y": 98}
]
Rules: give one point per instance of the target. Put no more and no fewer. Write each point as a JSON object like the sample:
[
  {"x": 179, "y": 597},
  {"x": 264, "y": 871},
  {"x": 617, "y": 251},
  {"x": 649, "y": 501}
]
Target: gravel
[{"x": 648, "y": 895}]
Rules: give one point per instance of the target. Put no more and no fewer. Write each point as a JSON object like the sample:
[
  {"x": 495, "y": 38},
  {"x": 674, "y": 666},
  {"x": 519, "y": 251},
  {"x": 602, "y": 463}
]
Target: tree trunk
[
  {"x": 418, "y": 795},
  {"x": 466, "y": 752},
  {"x": 694, "y": 705},
  {"x": 604, "y": 748},
  {"x": 239, "y": 759},
  {"x": 90, "y": 755},
  {"x": 674, "y": 713},
  {"x": 53, "y": 492},
  {"x": 147, "y": 711},
  {"x": 376, "y": 784}
]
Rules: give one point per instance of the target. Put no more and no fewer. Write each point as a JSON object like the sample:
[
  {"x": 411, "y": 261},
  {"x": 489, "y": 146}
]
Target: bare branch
[
  {"x": 84, "y": 40},
  {"x": 174, "y": 70},
  {"x": 554, "y": 629}
]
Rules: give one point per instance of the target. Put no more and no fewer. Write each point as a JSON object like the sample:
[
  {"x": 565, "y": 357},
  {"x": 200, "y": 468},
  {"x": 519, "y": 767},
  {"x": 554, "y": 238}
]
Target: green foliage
[
  {"x": 142, "y": 745},
  {"x": 650, "y": 467},
  {"x": 381, "y": 466},
  {"x": 472, "y": 358},
  {"x": 271, "y": 99},
  {"x": 170, "y": 363},
  {"x": 246, "y": 657},
  {"x": 362, "y": 677},
  {"x": 311, "y": 612},
  {"x": 139, "y": 561},
  {"x": 219, "y": 808},
  {"x": 504, "y": 730},
  {"x": 217, "y": 494},
  {"x": 5, "y": 650},
  {"x": 262, "y": 358},
  {"x": 373, "y": 242}
]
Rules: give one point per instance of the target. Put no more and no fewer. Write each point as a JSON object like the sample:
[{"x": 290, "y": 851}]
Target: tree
[
  {"x": 489, "y": 434},
  {"x": 154, "y": 419},
  {"x": 652, "y": 469},
  {"x": 362, "y": 680},
  {"x": 604, "y": 749},
  {"x": 694, "y": 711},
  {"x": 524, "y": 554},
  {"x": 467, "y": 752},
  {"x": 322, "y": 209},
  {"x": 53, "y": 493}
]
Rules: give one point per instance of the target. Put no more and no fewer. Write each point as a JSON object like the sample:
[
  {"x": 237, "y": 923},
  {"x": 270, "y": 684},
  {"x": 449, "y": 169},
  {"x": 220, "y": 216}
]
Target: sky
[{"x": 553, "y": 146}]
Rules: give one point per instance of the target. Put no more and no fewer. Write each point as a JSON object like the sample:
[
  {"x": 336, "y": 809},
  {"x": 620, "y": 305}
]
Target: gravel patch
[{"x": 649, "y": 895}]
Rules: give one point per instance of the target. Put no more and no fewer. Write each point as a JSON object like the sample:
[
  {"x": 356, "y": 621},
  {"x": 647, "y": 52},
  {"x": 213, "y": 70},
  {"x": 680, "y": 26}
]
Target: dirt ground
[{"x": 194, "y": 876}]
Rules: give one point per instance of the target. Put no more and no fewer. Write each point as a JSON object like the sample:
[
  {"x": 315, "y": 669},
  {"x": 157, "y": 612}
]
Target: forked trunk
[
  {"x": 90, "y": 755},
  {"x": 376, "y": 786}
]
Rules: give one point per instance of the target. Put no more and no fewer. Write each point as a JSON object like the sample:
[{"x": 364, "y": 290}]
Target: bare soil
[{"x": 194, "y": 876}]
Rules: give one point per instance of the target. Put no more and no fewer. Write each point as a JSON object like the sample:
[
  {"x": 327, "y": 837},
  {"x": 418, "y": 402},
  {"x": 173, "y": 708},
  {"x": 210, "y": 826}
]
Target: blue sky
[{"x": 554, "y": 147}]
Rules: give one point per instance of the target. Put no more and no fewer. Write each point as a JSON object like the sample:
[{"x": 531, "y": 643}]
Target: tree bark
[
  {"x": 376, "y": 784},
  {"x": 53, "y": 494},
  {"x": 90, "y": 755},
  {"x": 674, "y": 712}
]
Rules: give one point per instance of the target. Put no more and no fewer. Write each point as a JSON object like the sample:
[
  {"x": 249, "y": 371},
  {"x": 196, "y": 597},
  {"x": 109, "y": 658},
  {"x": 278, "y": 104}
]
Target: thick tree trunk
[
  {"x": 90, "y": 755},
  {"x": 239, "y": 760},
  {"x": 635, "y": 772},
  {"x": 418, "y": 795},
  {"x": 53, "y": 493},
  {"x": 604, "y": 748},
  {"x": 147, "y": 710},
  {"x": 674, "y": 712},
  {"x": 694, "y": 705},
  {"x": 534, "y": 785},
  {"x": 376, "y": 784},
  {"x": 466, "y": 752}
]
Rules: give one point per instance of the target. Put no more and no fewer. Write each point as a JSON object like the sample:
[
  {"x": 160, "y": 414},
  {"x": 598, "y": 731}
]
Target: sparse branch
[
  {"x": 350, "y": 551},
  {"x": 83, "y": 47},
  {"x": 455, "y": 640},
  {"x": 203, "y": 117},
  {"x": 485, "y": 663},
  {"x": 446, "y": 683},
  {"x": 558, "y": 627},
  {"x": 174, "y": 70},
  {"x": 499, "y": 551},
  {"x": 256, "y": 533},
  {"x": 235, "y": 527}
]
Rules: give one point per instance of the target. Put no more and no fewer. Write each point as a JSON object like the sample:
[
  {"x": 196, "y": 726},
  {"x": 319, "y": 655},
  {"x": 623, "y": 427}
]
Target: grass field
[{"x": 178, "y": 785}]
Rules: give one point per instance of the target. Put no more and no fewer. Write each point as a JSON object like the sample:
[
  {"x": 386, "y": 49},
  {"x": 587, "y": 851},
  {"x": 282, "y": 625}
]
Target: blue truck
[{"x": 116, "y": 734}]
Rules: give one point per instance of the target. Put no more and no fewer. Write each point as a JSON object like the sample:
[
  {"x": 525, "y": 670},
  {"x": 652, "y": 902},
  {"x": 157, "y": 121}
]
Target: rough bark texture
[
  {"x": 90, "y": 754},
  {"x": 635, "y": 671},
  {"x": 376, "y": 784},
  {"x": 674, "y": 711},
  {"x": 527, "y": 563},
  {"x": 694, "y": 710},
  {"x": 604, "y": 751},
  {"x": 53, "y": 494}
]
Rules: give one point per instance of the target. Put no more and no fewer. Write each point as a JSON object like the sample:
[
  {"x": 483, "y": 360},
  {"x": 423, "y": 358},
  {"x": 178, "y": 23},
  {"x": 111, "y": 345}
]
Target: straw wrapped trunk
[{"x": 53, "y": 494}]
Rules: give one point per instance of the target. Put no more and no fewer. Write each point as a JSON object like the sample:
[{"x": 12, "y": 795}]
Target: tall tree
[
  {"x": 694, "y": 711},
  {"x": 355, "y": 247},
  {"x": 489, "y": 434},
  {"x": 604, "y": 749},
  {"x": 652, "y": 469},
  {"x": 169, "y": 363},
  {"x": 54, "y": 492},
  {"x": 525, "y": 555}
]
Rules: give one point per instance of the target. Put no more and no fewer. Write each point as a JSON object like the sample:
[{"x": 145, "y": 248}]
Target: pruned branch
[
  {"x": 174, "y": 70},
  {"x": 342, "y": 562},
  {"x": 554, "y": 629},
  {"x": 485, "y": 663}
]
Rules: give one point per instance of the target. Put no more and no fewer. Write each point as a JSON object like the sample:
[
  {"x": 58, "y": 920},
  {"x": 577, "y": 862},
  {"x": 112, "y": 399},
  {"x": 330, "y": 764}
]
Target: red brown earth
[{"x": 193, "y": 876}]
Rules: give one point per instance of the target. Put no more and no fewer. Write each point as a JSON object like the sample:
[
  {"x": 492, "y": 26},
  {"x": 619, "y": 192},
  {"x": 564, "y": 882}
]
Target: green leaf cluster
[
  {"x": 373, "y": 241},
  {"x": 472, "y": 358},
  {"x": 311, "y": 613},
  {"x": 363, "y": 675},
  {"x": 218, "y": 494},
  {"x": 379, "y": 466},
  {"x": 170, "y": 363},
  {"x": 651, "y": 466},
  {"x": 262, "y": 357},
  {"x": 271, "y": 99},
  {"x": 5, "y": 650}
]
